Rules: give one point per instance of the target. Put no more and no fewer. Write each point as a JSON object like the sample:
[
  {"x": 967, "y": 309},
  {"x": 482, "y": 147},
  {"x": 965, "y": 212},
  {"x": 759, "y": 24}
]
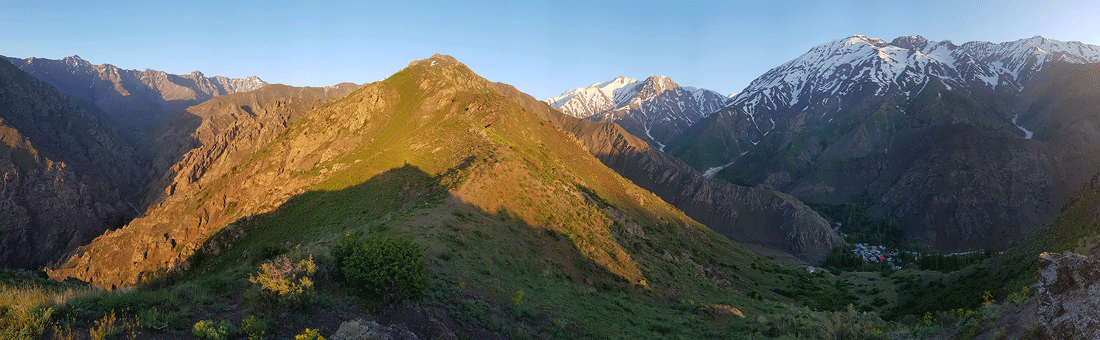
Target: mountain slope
[
  {"x": 64, "y": 172},
  {"x": 137, "y": 99},
  {"x": 754, "y": 216},
  {"x": 911, "y": 129},
  {"x": 655, "y": 110},
  {"x": 209, "y": 139}
]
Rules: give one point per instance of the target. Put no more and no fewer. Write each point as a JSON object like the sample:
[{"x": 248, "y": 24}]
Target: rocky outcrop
[
  {"x": 1069, "y": 296},
  {"x": 63, "y": 172},
  {"x": 138, "y": 99},
  {"x": 364, "y": 330}
]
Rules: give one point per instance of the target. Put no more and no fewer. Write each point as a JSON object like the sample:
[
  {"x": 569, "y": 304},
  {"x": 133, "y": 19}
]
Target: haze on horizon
[{"x": 542, "y": 47}]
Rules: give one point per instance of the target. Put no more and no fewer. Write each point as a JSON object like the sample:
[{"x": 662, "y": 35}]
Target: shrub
[
  {"x": 518, "y": 298},
  {"x": 105, "y": 327},
  {"x": 309, "y": 334},
  {"x": 284, "y": 282},
  {"x": 387, "y": 267},
  {"x": 207, "y": 329},
  {"x": 153, "y": 319},
  {"x": 255, "y": 329}
]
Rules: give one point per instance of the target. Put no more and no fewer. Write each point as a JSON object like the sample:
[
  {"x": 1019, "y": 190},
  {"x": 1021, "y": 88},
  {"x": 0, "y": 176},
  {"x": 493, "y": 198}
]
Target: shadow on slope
[{"x": 490, "y": 255}]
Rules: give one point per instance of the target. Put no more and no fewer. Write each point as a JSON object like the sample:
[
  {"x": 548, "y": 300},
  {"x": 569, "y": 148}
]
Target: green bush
[
  {"x": 207, "y": 329},
  {"x": 387, "y": 267}
]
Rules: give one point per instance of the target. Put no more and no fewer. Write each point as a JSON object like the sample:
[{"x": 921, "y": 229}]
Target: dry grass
[
  {"x": 25, "y": 309},
  {"x": 30, "y": 296}
]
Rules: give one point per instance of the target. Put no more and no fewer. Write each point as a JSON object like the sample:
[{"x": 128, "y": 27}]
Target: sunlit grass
[{"x": 26, "y": 308}]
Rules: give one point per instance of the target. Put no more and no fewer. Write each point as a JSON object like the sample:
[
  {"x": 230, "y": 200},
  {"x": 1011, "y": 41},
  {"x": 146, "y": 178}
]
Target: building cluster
[{"x": 876, "y": 254}]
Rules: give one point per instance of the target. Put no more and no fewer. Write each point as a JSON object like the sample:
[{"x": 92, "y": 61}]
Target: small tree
[{"x": 387, "y": 267}]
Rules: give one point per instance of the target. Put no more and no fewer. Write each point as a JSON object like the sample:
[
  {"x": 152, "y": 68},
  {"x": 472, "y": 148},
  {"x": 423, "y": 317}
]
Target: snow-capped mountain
[
  {"x": 938, "y": 136},
  {"x": 820, "y": 79},
  {"x": 655, "y": 109},
  {"x": 595, "y": 99}
]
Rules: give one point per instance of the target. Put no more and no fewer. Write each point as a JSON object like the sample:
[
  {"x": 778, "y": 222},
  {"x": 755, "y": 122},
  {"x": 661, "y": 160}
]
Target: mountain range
[
  {"x": 626, "y": 208},
  {"x": 941, "y": 138},
  {"x": 139, "y": 99}
]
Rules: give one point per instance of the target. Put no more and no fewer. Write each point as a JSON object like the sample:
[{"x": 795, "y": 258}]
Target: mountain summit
[{"x": 655, "y": 109}]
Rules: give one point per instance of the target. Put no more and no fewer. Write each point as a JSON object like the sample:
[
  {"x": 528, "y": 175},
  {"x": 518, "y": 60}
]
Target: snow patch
[
  {"x": 714, "y": 170},
  {"x": 1027, "y": 133}
]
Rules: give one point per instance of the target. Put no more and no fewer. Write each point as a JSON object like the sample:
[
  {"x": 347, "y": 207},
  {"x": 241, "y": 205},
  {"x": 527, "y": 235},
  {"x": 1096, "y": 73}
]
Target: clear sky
[{"x": 541, "y": 47}]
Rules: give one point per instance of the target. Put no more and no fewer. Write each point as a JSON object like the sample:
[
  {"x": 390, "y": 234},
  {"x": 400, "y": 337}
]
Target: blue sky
[{"x": 541, "y": 47}]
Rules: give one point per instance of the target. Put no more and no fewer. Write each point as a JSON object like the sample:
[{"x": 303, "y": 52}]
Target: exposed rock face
[
  {"x": 364, "y": 330},
  {"x": 139, "y": 99},
  {"x": 1069, "y": 296},
  {"x": 63, "y": 172},
  {"x": 203, "y": 145},
  {"x": 213, "y": 137}
]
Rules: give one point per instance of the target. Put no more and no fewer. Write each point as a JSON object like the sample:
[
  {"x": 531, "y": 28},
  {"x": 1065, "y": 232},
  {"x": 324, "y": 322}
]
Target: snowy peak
[
  {"x": 596, "y": 98},
  {"x": 655, "y": 109},
  {"x": 823, "y": 75},
  {"x": 622, "y": 92}
]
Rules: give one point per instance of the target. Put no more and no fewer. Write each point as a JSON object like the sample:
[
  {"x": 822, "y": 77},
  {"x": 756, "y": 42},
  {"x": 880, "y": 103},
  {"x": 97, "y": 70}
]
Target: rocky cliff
[
  {"x": 217, "y": 135},
  {"x": 1069, "y": 296},
  {"x": 63, "y": 172}
]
